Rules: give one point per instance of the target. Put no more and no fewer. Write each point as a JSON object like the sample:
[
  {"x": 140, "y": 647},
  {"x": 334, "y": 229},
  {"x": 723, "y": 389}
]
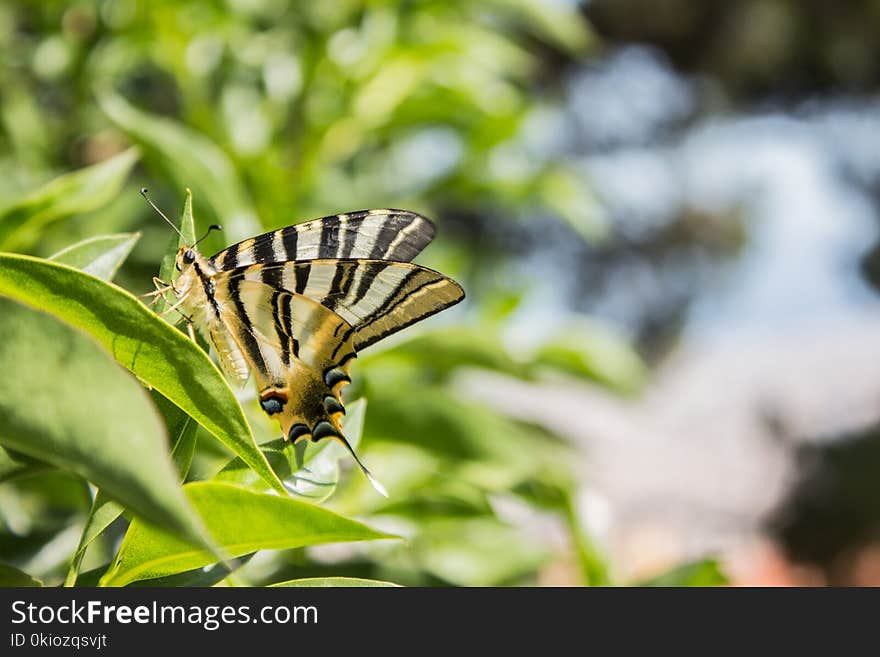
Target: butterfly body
[{"x": 295, "y": 305}]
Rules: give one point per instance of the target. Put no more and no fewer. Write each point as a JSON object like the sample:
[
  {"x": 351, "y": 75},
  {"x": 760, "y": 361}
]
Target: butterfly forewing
[{"x": 377, "y": 234}]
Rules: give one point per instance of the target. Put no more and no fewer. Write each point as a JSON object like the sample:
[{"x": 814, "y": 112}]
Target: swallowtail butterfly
[{"x": 295, "y": 306}]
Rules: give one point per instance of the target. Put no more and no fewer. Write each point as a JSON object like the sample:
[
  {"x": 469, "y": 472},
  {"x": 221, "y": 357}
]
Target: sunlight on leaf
[
  {"x": 334, "y": 582},
  {"x": 67, "y": 195},
  {"x": 240, "y": 521},
  {"x": 182, "y": 433},
  {"x": 154, "y": 351},
  {"x": 99, "y": 256},
  {"x": 95, "y": 420}
]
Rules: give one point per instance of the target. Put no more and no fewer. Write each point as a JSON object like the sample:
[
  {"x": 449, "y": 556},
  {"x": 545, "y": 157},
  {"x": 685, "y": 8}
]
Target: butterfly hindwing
[
  {"x": 375, "y": 297},
  {"x": 299, "y": 351},
  {"x": 229, "y": 355},
  {"x": 377, "y": 234}
]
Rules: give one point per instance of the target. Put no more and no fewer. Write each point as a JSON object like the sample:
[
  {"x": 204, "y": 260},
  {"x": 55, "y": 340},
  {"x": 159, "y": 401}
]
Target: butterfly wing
[
  {"x": 298, "y": 352},
  {"x": 376, "y": 234},
  {"x": 375, "y": 297},
  {"x": 229, "y": 355}
]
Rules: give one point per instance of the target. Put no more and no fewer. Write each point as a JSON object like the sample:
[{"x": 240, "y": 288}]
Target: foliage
[
  {"x": 698, "y": 573},
  {"x": 273, "y": 113},
  {"x": 137, "y": 339},
  {"x": 240, "y": 521}
]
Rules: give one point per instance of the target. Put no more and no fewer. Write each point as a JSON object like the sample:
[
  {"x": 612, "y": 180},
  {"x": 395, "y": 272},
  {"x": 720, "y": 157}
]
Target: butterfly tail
[
  {"x": 327, "y": 426},
  {"x": 315, "y": 411},
  {"x": 369, "y": 475}
]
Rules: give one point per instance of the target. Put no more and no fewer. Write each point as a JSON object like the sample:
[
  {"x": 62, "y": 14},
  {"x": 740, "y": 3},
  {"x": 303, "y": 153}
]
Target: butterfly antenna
[
  {"x": 211, "y": 228},
  {"x": 375, "y": 482},
  {"x": 144, "y": 193}
]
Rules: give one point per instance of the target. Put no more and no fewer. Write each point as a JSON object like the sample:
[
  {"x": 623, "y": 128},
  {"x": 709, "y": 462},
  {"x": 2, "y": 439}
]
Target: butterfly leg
[
  {"x": 161, "y": 290},
  {"x": 173, "y": 308},
  {"x": 156, "y": 298},
  {"x": 189, "y": 323},
  {"x": 164, "y": 285},
  {"x": 161, "y": 287}
]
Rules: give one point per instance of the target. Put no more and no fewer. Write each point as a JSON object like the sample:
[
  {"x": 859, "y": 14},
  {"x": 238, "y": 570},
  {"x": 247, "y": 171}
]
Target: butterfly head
[
  {"x": 186, "y": 258},
  {"x": 195, "y": 273},
  {"x": 191, "y": 264}
]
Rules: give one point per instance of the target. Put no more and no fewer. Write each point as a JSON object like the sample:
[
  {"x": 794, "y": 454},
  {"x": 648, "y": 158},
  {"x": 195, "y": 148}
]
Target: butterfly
[{"x": 294, "y": 306}]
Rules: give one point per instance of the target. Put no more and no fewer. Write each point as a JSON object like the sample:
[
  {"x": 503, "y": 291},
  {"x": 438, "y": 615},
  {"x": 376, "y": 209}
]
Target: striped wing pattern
[
  {"x": 375, "y": 297},
  {"x": 300, "y": 352},
  {"x": 296, "y": 304},
  {"x": 378, "y": 234}
]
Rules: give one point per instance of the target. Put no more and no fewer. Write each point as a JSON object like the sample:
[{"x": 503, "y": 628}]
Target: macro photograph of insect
[{"x": 438, "y": 294}]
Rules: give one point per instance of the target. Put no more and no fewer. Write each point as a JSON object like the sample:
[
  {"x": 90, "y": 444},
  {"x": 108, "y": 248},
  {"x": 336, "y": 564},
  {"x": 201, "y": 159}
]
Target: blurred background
[{"x": 664, "y": 214}]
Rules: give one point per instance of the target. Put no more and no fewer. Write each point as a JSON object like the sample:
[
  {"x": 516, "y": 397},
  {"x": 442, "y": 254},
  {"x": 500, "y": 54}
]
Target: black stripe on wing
[
  {"x": 397, "y": 235},
  {"x": 421, "y": 294},
  {"x": 377, "y": 298},
  {"x": 273, "y": 327},
  {"x": 245, "y": 337}
]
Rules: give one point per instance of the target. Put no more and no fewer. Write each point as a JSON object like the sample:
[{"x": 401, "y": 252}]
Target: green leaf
[
  {"x": 187, "y": 237},
  {"x": 10, "y": 576},
  {"x": 198, "y": 577},
  {"x": 99, "y": 256},
  {"x": 441, "y": 351},
  {"x": 192, "y": 160},
  {"x": 706, "y": 572},
  {"x": 476, "y": 551},
  {"x": 485, "y": 448},
  {"x": 90, "y": 578},
  {"x": 590, "y": 351},
  {"x": 594, "y": 569},
  {"x": 240, "y": 521},
  {"x": 69, "y": 404},
  {"x": 101, "y": 515},
  {"x": 157, "y": 353},
  {"x": 167, "y": 270},
  {"x": 334, "y": 582},
  {"x": 315, "y": 473},
  {"x": 67, "y": 195},
  {"x": 102, "y": 257},
  {"x": 15, "y": 464},
  {"x": 182, "y": 432}
]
